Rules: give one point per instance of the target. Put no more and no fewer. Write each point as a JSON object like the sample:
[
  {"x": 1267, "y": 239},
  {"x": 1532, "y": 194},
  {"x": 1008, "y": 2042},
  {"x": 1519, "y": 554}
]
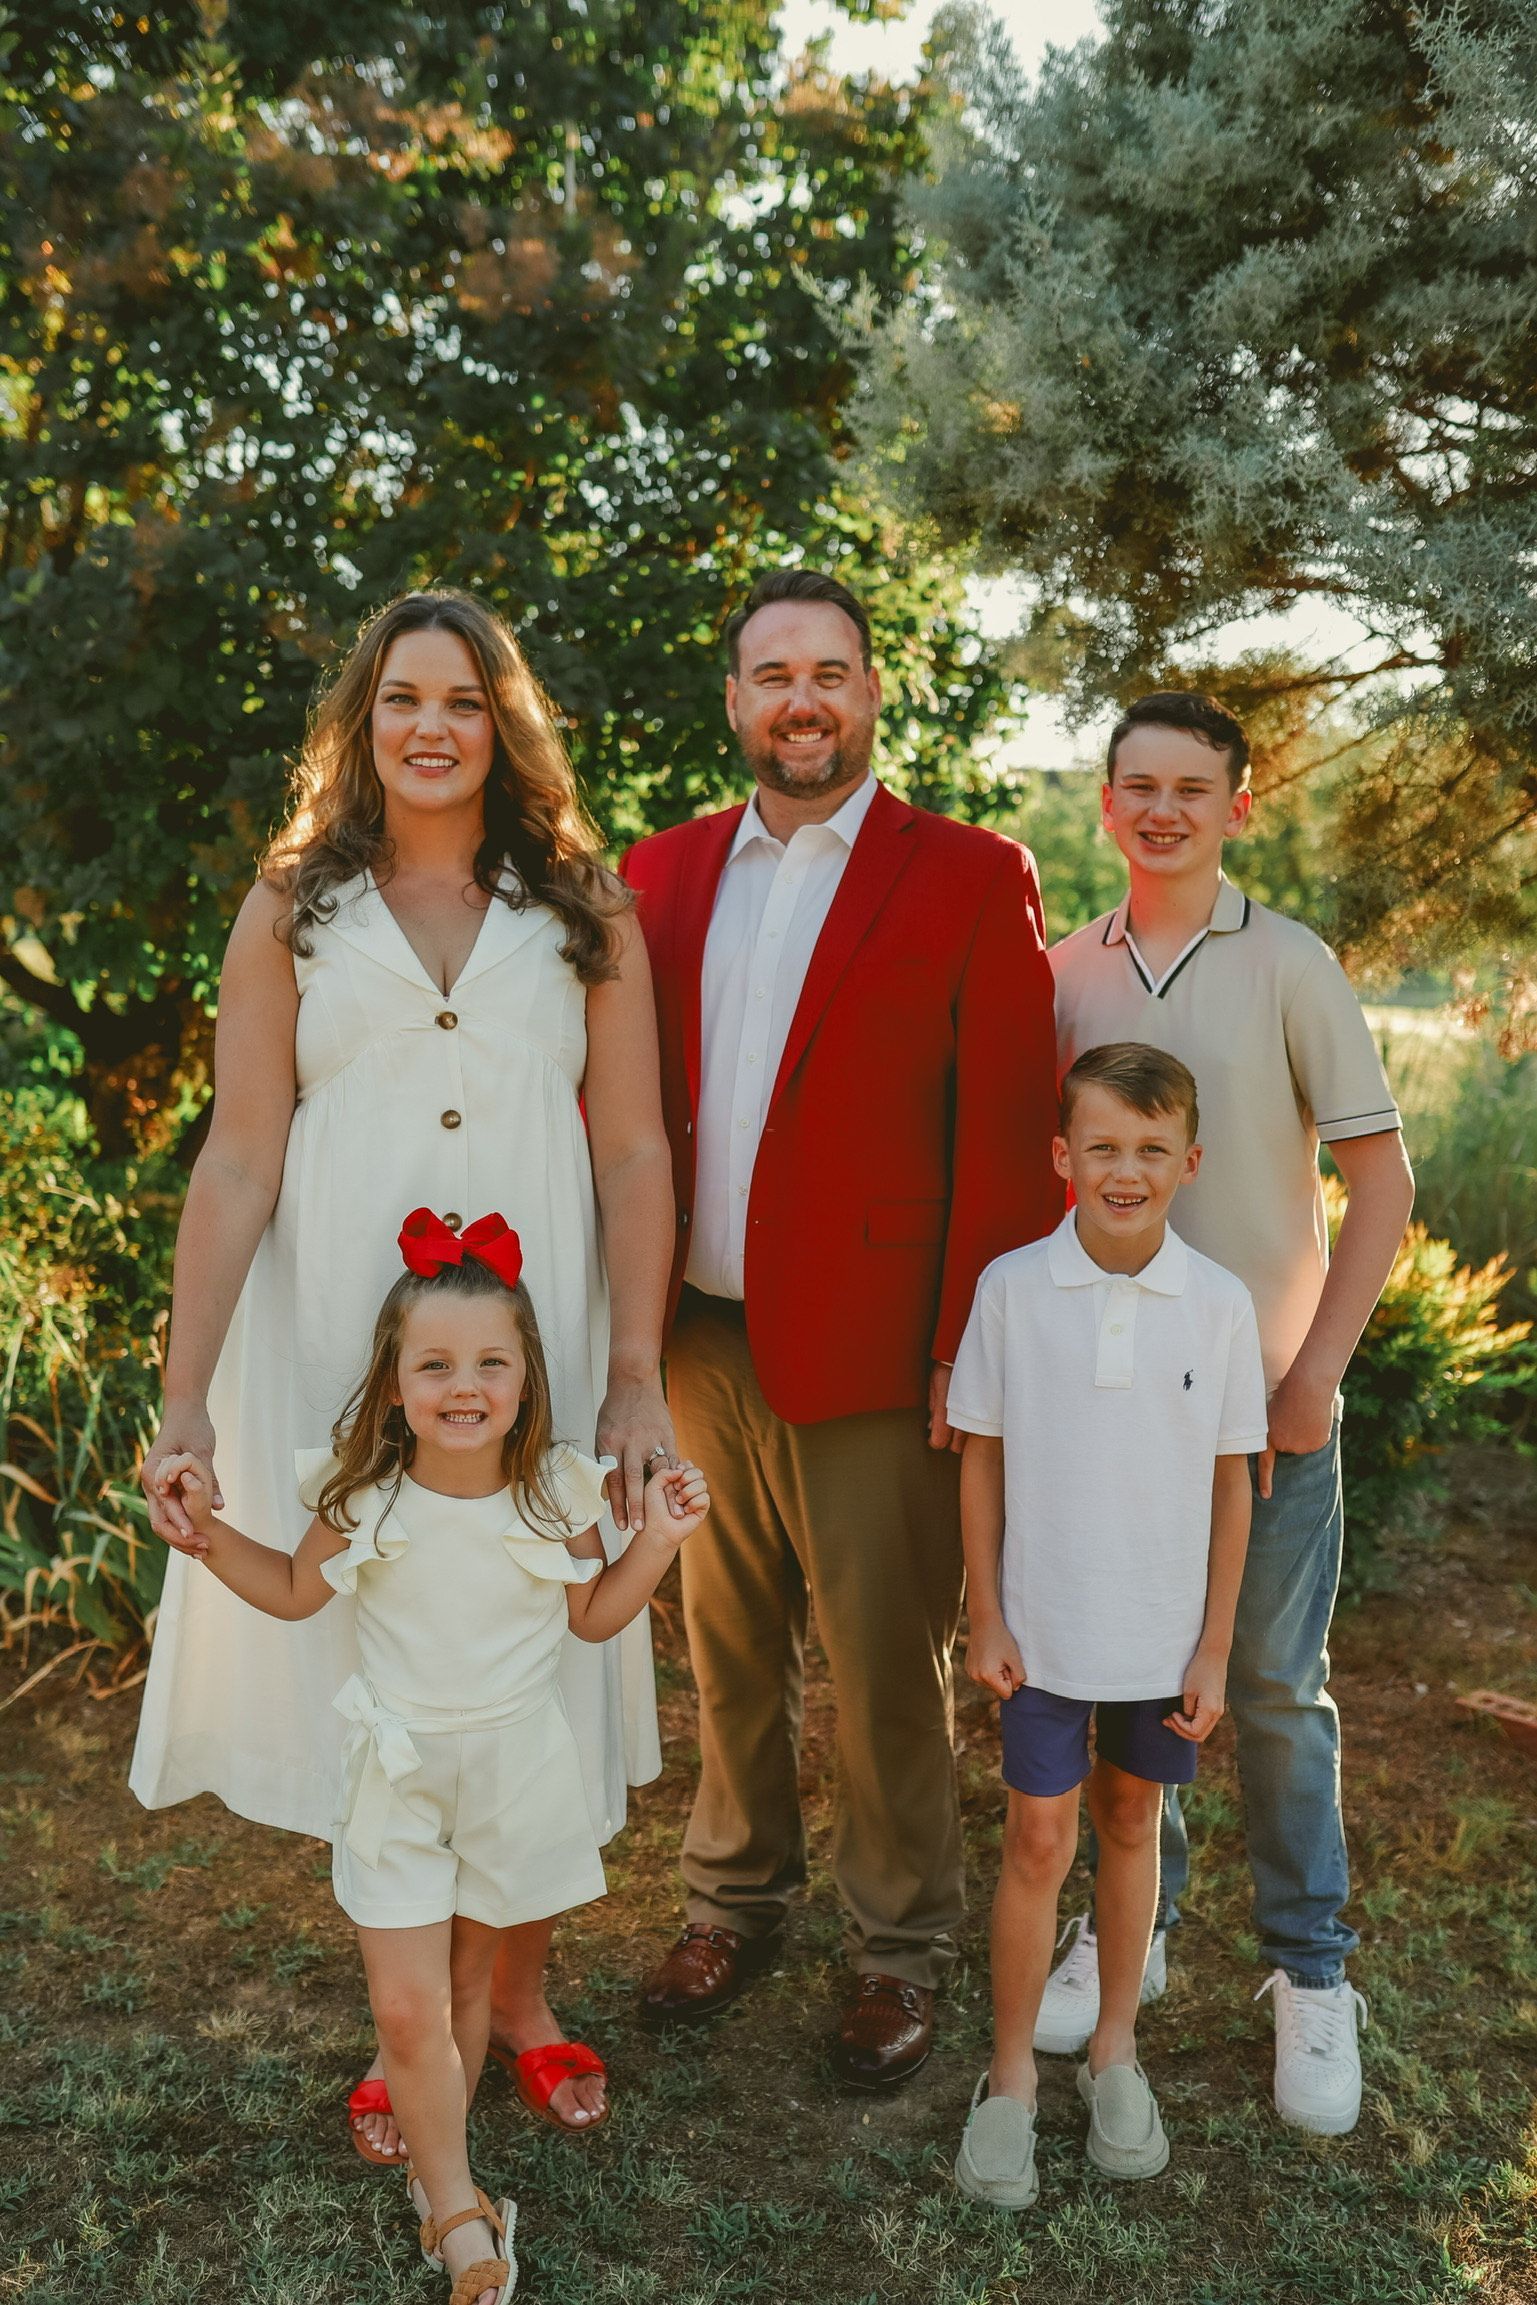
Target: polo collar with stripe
[
  {"x": 1230, "y": 912},
  {"x": 1071, "y": 1266}
]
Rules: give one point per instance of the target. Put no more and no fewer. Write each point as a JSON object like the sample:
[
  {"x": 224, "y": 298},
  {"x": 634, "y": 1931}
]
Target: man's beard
[{"x": 846, "y": 764}]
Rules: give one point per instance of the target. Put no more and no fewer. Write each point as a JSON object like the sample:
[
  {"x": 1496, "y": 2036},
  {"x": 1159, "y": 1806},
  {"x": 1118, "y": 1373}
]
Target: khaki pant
[{"x": 861, "y": 1513}]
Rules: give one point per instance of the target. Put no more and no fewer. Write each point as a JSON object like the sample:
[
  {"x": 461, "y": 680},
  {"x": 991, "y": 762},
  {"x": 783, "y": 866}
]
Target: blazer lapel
[
  {"x": 880, "y": 854},
  {"x": 703, "y": 863}
]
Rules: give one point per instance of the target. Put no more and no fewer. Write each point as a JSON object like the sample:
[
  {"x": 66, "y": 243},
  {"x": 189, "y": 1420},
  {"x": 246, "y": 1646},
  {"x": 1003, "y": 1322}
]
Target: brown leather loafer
[
  {"x": 703, "y": 1972},
  {"x": 885, "y": 2032}
]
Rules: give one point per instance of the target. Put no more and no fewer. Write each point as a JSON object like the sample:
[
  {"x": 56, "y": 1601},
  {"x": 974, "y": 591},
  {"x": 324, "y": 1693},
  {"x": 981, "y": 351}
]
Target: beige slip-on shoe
[
  {"x": 996, "y": 2162},
  {"x": 1126, "y": 2136}
]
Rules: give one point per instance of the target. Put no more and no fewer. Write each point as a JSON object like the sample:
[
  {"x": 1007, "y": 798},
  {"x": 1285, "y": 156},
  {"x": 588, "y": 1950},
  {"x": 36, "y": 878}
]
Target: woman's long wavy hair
[
  {"x": 373, "y": 1444},
  {"x": 534, "y": 818}
]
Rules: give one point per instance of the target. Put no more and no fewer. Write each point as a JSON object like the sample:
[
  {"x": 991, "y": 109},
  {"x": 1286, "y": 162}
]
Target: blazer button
[
  {"x": 452, "y": 1219},
  {"x": 446, "y": 1018},
  {"x": 452, "y": 1119},
  {"x": 683, "y": 1219}
]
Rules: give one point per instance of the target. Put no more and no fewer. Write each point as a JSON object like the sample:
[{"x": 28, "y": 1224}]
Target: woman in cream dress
[{"x": 413, "y": 1031}]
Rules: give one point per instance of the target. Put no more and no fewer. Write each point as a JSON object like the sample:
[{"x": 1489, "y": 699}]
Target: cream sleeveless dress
[{"x": 407, "y": 1097}]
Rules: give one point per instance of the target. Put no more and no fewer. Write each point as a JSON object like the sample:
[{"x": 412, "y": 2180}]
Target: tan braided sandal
[
  {"x": 499, "y": 2272},
  {"x": 426, "y": 2230}
]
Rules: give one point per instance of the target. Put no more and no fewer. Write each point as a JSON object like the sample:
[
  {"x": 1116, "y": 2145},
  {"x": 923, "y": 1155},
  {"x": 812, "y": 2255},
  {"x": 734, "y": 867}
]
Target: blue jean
[{"x": 1288, "y": 1728}]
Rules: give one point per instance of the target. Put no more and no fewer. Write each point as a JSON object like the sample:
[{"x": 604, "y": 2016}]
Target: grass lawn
[{"x": 182, "y": 2014}]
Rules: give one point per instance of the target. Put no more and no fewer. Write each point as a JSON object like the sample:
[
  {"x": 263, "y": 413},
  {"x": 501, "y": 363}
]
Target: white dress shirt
[{"x": 770, "y": 905}]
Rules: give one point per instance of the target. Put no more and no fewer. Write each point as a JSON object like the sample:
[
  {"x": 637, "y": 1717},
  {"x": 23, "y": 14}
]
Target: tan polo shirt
[{"x": 1262, "y": 1013}]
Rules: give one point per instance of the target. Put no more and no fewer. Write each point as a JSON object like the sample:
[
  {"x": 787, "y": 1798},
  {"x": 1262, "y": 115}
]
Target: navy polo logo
[{"x": 1189, "y": 1379}]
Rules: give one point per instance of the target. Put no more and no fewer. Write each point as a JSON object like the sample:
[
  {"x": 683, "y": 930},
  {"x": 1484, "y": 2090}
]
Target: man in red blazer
[{"x": 859, "y": 1079}]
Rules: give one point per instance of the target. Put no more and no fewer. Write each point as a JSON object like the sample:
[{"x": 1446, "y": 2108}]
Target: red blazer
[{"x": 908, "y": 1138}]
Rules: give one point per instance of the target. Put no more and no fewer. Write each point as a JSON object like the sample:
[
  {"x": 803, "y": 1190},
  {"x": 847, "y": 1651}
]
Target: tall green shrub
[{"x": 1434, "y": 1366}]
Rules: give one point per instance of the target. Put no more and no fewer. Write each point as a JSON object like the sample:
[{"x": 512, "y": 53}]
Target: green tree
[
  {"x": 1232, "y": 310},
  {"x": 299, "y": 305}
]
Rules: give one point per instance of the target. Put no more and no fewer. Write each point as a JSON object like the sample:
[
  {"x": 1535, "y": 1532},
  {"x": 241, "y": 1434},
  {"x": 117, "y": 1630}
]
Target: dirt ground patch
[{"x": 181, "y": 2015}]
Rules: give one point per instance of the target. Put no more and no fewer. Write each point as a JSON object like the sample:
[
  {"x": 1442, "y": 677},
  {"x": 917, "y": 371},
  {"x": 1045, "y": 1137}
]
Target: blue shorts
[{"x": 1046, "y": 1741}]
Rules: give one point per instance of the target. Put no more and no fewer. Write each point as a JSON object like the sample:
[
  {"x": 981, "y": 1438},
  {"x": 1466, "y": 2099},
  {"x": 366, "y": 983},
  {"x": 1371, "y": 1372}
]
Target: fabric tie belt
[{"x": 380, "y": 1753}]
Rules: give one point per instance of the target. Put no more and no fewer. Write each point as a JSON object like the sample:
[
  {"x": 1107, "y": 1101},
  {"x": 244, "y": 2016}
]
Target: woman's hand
[
  {"x": 633, "y": 1425},
  {"x": 185, "y": 1433}
]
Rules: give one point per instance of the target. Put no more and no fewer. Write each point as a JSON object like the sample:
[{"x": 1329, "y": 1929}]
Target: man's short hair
[
  {"x": 796, "y": 584},
  {"x": 1197, "y": 715},
  {"x": 1148, "y": 1079}
]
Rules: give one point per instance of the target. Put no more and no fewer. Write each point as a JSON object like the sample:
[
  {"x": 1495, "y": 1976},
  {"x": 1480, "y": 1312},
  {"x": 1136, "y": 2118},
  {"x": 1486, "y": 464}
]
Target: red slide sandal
[
  {"x": 371, "y": 2097},
  {"x": 538, "y": 2073}
]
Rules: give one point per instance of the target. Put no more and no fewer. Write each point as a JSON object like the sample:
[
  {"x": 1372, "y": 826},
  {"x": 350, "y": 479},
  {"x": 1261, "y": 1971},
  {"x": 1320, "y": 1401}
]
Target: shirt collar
[
  {"x": 845, "y": 823},
  {"x": 1230, "y": 911},
  {"x": 1072, "y": 1267}
]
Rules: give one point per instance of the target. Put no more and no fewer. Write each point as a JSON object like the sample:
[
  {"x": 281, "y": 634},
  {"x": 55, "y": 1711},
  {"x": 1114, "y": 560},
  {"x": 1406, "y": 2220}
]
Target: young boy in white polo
[
  {"x": 1111, "y": 1388},
  {"x": 1263, "y": 1014}
]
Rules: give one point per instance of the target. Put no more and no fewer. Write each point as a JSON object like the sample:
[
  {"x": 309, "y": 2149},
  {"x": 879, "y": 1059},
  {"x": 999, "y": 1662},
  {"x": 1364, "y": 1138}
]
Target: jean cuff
[{"x": 1311, "y": 1984}]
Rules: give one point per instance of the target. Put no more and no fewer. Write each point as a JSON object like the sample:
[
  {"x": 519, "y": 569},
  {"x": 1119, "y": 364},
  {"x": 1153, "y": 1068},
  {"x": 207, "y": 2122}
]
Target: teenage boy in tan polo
[{"x": 1262, "y": 1013}]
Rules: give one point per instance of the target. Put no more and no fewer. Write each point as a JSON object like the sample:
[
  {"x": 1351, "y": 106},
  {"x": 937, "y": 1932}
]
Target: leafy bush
[
  {"x": 1470, "y": 1122},
  {"x": 84, "y": 1273},
  {"x": 1434, "y": 1366}
]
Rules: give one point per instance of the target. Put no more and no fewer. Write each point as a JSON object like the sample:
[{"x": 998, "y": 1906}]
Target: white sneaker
[
  {"x": 1070, "y": 2004},
  {"x": 1317, "y": 2055}
]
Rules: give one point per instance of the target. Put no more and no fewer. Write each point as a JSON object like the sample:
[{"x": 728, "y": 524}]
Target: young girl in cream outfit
[{"x": 468, "y": 1537}]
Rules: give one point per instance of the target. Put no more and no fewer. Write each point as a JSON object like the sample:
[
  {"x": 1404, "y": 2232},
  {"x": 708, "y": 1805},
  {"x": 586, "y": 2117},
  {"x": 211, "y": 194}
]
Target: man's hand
[
  {"x": 633, "y": 1425},
  {"x": 1204, "y": 1697},
  {"x": 942, "y": 1434},
  {"x": 1301, "y": 1420},
  {"x": 185, "y": 1432},
  {"x": 993, "y": 1660}
]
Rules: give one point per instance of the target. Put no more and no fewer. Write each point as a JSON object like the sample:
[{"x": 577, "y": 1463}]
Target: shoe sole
[
  {"x": 995, "y": 2193},
  {"x": 876, "y": 2084},
  {"x": 688, "y": 2012},
  {"x": 1320, "y": 2124}
]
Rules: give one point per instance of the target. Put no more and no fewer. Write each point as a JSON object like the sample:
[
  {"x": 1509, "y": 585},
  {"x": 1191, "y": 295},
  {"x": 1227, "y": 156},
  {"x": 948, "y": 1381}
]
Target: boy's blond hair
[{"x": 1148, "y": 1079}]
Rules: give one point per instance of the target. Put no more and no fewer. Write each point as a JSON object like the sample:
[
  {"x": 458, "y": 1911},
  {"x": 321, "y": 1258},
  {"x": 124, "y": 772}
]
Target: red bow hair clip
[{"x": 428, "y": 1244}]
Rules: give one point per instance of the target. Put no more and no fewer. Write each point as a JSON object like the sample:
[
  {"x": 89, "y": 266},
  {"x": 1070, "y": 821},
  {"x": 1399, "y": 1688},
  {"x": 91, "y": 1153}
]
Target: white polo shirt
[
  {"x": 1265, "y": 1017},
  {"x": 1113, "y": 1394}
]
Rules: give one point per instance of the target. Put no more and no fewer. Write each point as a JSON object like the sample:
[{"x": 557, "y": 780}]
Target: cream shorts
[{"x": 494, "y": 1826}]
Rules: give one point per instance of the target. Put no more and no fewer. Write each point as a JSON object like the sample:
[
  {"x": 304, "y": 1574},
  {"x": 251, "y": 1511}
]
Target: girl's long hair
[
  {"x": 374, "y": 1445},
  {"x": 534, "y": 818}
]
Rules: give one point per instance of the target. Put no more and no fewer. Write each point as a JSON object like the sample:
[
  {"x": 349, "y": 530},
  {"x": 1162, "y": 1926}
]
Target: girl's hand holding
[
  {"x": 676, "y": 1502},
  {"x": 185, "y": 1432},
  {"x": 187, "y": 1486}
]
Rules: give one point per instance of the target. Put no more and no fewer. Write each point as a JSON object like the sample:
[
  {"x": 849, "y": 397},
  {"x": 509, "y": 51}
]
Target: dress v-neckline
[{"x": 440, "y": 992}]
